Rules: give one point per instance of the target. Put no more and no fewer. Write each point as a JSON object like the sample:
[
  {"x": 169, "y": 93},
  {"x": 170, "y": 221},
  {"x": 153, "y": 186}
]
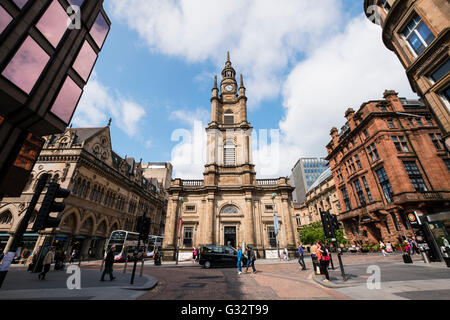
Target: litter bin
[
  {"x": 316, "y": 265},
  {"x": 407, "y": 258}
]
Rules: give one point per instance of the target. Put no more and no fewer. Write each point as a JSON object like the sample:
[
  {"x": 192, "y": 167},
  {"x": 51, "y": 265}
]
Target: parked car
[{"x": 222, "y": 256}]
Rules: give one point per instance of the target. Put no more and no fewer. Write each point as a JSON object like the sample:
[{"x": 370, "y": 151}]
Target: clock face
[{"x": 229, "y": 87}]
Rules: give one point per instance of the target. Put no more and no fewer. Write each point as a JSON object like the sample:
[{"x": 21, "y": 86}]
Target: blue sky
[{"x": 155, "y": 73}]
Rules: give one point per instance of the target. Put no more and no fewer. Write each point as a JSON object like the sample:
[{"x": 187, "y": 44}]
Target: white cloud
[
  {"x": 263, "y": 36},
  {"x": 99, "y": 103}
]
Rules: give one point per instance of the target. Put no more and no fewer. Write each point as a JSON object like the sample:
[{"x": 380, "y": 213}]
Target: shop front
[{"x": 439, "y": 226}]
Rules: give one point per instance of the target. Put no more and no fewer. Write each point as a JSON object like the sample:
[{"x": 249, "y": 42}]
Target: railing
[
  {"x": 267, "y": 182},
  {"x": 432, "y": 195},
  {"x": 192, "y": 183}
]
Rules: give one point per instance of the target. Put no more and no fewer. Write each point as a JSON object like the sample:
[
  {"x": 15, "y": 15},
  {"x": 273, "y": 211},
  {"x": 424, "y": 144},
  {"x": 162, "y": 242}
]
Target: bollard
[{"x": 425, "y": 257}]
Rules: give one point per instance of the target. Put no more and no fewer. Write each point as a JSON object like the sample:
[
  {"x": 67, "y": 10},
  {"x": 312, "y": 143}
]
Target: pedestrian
[
  {"x": 197, "y": 255},
  {"x": 314, "y": 256},
  {"x": 324, "y": 259},
  {"x": 194, "y": 255},
  {"x": 239, "y": 260},
  {"x": 383, "y": 247},
  {"x": 72, "y": 256},
  {"x": 157, "y": 257},
  {"x": 49, "y": 258},
  {"x": 251, "y": 259},
  {"x": 109, "y": 262},
  {"x": 286, "y": 254},
  {"x": 301, "y": 251}
]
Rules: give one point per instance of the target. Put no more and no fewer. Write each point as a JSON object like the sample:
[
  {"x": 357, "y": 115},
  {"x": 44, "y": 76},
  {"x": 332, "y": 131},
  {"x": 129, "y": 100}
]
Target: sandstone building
[
  {"x": 230, "y": 205},
  {"x": 389, "y": 160},
  {"x": 107, "y": 193},
  {"x": 418, "y": 31}
]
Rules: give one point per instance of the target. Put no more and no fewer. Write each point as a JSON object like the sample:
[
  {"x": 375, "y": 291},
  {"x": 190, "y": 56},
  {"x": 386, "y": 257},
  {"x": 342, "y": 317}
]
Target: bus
[
  {"x": 153, "y": 243},
  {"x": 126, "y": 243}
]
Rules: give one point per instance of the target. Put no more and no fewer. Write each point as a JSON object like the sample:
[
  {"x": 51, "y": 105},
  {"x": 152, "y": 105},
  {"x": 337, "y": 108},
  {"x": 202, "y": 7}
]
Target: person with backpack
[
  {"x": 324, "y": 259},
  {"x": 301, "y": 260},
  {"x": 251, "y": 259}
]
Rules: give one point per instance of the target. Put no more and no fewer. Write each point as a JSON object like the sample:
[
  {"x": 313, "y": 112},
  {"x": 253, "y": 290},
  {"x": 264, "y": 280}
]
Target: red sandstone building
[{"x": 389, "y": 160}]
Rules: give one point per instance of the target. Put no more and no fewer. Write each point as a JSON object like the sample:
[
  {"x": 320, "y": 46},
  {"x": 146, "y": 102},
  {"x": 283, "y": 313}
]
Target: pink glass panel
[
  {"x": 20, "y": 3},
  {"x": 26, "y": 66},
  {"x": 53, "y": 23},
  {"x": 99, "y": 30},
  {"x": 67, "y": 100},
  {"x": 85, "y": 61},
  {"x": 5, "y": 19}
]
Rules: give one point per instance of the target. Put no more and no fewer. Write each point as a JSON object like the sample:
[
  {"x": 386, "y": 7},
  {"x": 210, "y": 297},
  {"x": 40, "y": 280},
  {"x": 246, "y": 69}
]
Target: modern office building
[
  {"x": 389, "y": 164},
  {"x": 304, "y": 174},
  {"x": 418, "y": 32},
  {"x": 48, "y": 50}
]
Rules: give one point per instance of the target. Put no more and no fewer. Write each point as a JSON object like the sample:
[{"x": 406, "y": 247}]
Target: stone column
[
  {"x": 288, "y": 227},
  {"x": 85, "y": 249},
  {"x": 210, "y": 220},
  {"x": 249, "y": 220},
  {"x": 171, "y": 223},
  {"x": 257, "y": 225}
]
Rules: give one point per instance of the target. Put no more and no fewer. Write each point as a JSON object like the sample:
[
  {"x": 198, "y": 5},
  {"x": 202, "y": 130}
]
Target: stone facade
[
  {"x": 229, "y": 206},
  {"x": 322, "y": 195},
  {"x": 424, "y": 54},
  {"x": 388, "y": 161},
  {"x": 107, "y": 193}
]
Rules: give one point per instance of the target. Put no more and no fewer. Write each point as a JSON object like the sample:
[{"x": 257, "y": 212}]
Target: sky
[{"x": 304, "y": 64}]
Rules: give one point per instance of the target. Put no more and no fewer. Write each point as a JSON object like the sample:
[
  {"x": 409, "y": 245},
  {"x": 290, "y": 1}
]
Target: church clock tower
[{"x": 229, "y": 153}]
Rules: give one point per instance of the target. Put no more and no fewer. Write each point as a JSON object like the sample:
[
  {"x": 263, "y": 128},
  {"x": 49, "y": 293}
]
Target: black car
[{"x": 222, "y": 256}]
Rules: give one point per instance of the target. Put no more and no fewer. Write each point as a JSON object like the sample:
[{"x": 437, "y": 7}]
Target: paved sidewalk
[{"x": 21, "y": 284}]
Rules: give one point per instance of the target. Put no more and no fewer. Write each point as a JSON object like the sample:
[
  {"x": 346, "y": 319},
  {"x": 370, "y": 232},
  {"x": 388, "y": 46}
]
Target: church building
[{"x": 230, "y": 206}]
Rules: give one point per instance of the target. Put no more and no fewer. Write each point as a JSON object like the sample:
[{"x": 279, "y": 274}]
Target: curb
[
  {"x": 331, "y": 285},
  {"x": 149, "y": 285}
]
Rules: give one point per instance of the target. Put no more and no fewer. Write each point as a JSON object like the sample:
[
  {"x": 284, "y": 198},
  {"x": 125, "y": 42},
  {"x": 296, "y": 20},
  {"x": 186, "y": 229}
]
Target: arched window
[
  {"x": 86, "y": 191},
  {"x": 76, "y": 186},
  {"x": 6, "y": 218},
  {"x": 228, "y": 117},
  {"x": 229, "y": 153},
  {"x": 229, "y": 210}
]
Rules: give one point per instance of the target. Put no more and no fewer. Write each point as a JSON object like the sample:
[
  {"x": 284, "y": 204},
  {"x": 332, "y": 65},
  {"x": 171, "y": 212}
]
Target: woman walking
[
  {"x": 324, "y": 259},
  {"x": 239, "y": 260}
]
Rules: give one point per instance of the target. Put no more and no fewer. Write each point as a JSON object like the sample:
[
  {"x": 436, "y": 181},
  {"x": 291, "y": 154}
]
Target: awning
[{"x": 442, "y": 216}]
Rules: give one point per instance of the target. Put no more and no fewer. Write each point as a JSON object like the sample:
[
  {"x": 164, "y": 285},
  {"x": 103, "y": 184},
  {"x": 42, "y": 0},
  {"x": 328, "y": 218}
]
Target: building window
[
  {"x": 417, "y": 34},
  {"x": 6, "y": 218},
  {"x": 405, "y": 221},
  {"x": 419, "y": 122},
  {"x": 445, "y": 96},
  {"x": 373, "y": 153},
  {"x": 429, "y": 121},
  {"x": 228, "y": 118},
  {"x": 229, "y": 153},
  {"x": 385, "y": 5},
  {"x": 187, "y": 236},
  {"x": 229, "y": 210},
  {"x": 400, "y": 144},
  {"x": 358, "y": 163},
  {"x": 385, "y": 185},
  {"x": 437, "y": 140},
  {"x": 269, "y": 207},
  {"x": 299, "y": 221},
  {"x": 29, "y": 60},
  {"x": 383, "y": 109},
  {"x": 272, "y": 237},
  {"x": 5, "y": 19},
  {"x": 85, "y": 61},
  {"x": 415, "y": 176},
  {"x": 346, "y": 198},
  {"x": 441, "y": 71},
  {"x": 391, "y": 124},
  {"x": 366, "y": 134},
  {"x": 190, "y": 208},
  {"x": 447, "y": 163},
  {"x": 387, "y": 226},
  {"x": 366, "y": 186},
  {"x": 20, "y": 3},
  {"x": 411, "y": 122},
  {"x": 99, "y": 30},
  {"x": 67, "y": 100},
  {"x": 339, "y": 175},
  {"x": 359, "y": 192},
  {"x": 53, "y": 23},
  {"x": 396, "y": 224}
]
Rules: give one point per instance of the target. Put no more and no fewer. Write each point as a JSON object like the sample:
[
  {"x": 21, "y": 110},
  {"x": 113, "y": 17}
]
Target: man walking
[
  {"x": 49, "y": 258},
  {"x": 251, "y": 259},
  {"x": 239, "y": 260},
  {"x": 301, "y": 261},
  {"x": 109, "y": 261}
]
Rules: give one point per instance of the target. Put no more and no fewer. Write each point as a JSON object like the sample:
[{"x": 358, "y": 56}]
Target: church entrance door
[{"x": 230, "y": 236}]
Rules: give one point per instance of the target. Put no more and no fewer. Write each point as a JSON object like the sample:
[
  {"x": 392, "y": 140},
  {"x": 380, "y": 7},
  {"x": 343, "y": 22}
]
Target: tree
[{"x": 313, "y": 233}]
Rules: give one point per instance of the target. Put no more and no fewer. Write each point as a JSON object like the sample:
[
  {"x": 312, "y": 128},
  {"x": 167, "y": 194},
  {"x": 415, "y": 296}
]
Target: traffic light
[
  {"x": 143, "y": 227},
  {"x": 43, "y": 219},
  {"x": 327, "y": 223}
]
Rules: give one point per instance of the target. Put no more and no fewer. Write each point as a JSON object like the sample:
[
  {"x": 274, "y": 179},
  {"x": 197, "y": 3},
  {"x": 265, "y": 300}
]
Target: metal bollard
[{"x": 425, "y": 257}]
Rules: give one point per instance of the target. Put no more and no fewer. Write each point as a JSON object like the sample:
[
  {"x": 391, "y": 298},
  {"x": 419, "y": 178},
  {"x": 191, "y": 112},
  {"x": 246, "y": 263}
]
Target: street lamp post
[
  {"x": 179, "y": 222},
  {"x": 275, "y": 224}
]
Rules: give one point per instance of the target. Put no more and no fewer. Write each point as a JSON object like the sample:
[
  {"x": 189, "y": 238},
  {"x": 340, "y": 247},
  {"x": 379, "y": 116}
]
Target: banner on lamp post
[
  {"x": 180, "y": 223},
  {"x": 275, "y": 223}
]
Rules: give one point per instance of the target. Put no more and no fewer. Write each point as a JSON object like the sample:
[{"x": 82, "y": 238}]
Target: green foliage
[{"x": 313, "y": 233}]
